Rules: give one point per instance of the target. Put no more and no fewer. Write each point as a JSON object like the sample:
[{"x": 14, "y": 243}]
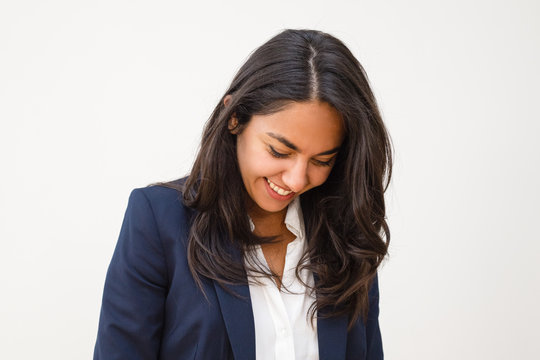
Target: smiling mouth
[{"x": 277, "y": 189}]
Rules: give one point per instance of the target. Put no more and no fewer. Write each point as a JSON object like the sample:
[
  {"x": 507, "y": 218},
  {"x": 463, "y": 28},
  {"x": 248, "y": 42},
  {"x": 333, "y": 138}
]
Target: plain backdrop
[{"x": 100, "y": 97}]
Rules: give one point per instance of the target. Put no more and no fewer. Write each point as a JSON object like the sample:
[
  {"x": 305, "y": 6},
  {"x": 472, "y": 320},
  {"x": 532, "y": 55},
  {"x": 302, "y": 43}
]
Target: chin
[
  {"x": 273, "y": 208},
  {"x": 269, "y": 205}
]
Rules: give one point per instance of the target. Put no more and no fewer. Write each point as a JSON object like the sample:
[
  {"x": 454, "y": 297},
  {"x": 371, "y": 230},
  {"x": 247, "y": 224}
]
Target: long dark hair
[{"x": 345, "y": 223}]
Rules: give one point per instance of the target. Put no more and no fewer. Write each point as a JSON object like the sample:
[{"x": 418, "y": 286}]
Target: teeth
[{"x": 277, "y": 189}]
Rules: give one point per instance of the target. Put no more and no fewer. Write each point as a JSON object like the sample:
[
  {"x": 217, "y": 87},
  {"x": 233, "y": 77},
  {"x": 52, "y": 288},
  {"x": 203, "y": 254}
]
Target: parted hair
[{"x": 345, "y": 222}]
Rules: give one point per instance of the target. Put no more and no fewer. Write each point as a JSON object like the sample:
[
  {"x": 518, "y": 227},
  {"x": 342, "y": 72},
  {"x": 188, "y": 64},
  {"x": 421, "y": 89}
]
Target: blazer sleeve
[
  {"x": 373, "y": 332},
  {"x": 132, "y": 310}
]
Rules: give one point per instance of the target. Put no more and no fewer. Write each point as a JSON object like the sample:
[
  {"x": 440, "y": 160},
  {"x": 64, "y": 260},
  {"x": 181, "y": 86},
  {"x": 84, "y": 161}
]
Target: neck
[{"x": 267, "y": 223}]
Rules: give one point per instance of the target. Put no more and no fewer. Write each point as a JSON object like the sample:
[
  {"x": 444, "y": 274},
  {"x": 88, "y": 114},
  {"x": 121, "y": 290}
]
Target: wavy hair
[{"x": 347, "y": 233}]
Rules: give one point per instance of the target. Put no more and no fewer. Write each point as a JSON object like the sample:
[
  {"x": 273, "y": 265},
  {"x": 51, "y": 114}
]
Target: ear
[
  {"x": 233, "y": 125},
  {"x": 233, "y": 121}
]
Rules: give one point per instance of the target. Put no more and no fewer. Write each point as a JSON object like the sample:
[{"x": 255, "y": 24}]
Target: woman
[{"x": 270, "y": 247}]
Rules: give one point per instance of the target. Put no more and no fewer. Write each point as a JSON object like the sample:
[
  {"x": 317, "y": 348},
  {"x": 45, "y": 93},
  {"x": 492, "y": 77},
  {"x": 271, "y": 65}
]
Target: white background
[{"x": 99, "y": 97}]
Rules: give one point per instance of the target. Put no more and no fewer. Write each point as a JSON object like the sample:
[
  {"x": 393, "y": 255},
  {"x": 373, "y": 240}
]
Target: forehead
[{"x": 312, "y": 126}]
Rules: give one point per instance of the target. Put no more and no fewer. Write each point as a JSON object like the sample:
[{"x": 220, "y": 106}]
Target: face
[{"x": 284, "y": 154}]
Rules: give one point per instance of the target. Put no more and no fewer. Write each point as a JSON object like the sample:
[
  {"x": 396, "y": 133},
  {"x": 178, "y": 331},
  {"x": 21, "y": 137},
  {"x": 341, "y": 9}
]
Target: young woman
[{"x": 269, "y": 249}]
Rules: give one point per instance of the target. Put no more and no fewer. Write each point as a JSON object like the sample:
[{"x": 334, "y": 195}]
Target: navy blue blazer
[{"x": 152, "y": 308}]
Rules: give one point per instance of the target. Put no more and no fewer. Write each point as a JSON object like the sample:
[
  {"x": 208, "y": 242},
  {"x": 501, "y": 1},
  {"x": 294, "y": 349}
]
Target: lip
[{"x": 275, "y": 195}]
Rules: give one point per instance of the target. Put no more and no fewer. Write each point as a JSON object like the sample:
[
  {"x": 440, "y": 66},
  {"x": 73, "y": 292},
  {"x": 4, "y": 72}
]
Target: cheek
[
  {"x": 255, "y": 162},
  {"x": 244, "y": 154},
  {"x": 264, "y": 166},
  {"x": 319, "y": 175}
]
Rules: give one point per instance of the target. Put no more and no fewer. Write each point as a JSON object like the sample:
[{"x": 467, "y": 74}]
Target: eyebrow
[{"x": 290, "y": 145}]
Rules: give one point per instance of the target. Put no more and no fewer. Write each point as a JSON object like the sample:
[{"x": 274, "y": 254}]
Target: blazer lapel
[
  {"x": 331, "y": 334},
  {"x": 238, "y": 316}
]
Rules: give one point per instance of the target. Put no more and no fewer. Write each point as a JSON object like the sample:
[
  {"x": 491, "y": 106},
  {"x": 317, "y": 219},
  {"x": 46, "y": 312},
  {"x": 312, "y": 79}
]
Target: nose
[{"x": 296, "y": 177}]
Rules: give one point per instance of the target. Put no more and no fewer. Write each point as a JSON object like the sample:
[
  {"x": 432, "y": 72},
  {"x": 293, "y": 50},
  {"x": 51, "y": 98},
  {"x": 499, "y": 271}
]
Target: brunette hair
[{"x": 345, "y": 223}]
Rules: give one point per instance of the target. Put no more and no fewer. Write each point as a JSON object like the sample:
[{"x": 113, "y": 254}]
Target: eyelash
[
  {"x": 275, "y": 153},
  {"x": 279, "y": 155},
  {"x": 323, "y": 163}
]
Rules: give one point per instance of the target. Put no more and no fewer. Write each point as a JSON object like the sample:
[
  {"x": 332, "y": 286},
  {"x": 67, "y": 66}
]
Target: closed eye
[
  {"x": 316, "y": 162},
  {"x": 276, "y": 154},
  {"x": 323, "y": 163}
]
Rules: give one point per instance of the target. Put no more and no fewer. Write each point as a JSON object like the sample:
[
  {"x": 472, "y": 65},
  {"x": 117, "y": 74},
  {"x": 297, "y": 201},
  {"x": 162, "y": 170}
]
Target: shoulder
[
  {"x": 161, "y": 195},
  {"x": 164, "y": 202},
  {"x": 160, "y": 192}
]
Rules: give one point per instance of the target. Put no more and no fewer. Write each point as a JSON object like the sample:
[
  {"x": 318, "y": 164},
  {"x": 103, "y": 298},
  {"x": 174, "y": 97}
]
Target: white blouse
[{"x": 283, "y": 329}]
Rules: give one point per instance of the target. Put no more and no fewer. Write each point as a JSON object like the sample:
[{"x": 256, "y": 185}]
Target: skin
[{"x": 295, "y": 149}]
